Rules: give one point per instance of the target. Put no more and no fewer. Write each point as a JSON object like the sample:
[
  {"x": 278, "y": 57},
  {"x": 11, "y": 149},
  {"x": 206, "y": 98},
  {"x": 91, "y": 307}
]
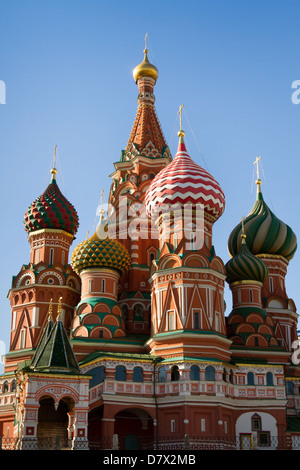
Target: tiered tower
[
  {"x": 187, "y": 278},
  {"x": 51, "y": 223},
  {"x": 275, "y": 243},
  {"x": 99, "y": 261},
  {"x": 250, "y": 327},
  {"x": 145, "y": 155}
]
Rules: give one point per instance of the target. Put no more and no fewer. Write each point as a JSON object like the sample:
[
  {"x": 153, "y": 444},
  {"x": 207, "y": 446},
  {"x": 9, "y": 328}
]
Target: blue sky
[{"x": 67, "y": 67}]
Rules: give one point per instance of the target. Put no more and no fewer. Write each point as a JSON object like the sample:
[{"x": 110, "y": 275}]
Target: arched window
[
  {"x": 138, "y": 311},
  {"x": 270, "y": 380},
  {"x": 175, "y": 374},
  {"x": 98, "y": 376},
  {"x": 162, "y": 375},
  {"x": 137, "y": 374},
  {"x": 5, "y": 387},
  {"x": 13, "y": 385},
  {"x": 195, "y": 373},
  {"x": 250, "y": 378},
  {"x": 125, "y": 311},
  {"x": 101, "y": 334},
  {"x": 209, "y": 373},
  {"x": 289, "y": 388},
  {"x": 256, "y": 422},
  {"x": 120, "y": 373}
]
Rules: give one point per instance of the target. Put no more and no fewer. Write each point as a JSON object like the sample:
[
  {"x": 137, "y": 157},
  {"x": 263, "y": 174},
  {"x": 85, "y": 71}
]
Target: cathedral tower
[
  {"x": 275, "y": 243},
  {"x": 187, "y": 278},
  {"x": 145, "y": 155},
  {"x": 51, "y": 223}
]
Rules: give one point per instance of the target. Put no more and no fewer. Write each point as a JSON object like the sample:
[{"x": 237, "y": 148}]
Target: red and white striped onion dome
[{"x": 184, "y": 182}]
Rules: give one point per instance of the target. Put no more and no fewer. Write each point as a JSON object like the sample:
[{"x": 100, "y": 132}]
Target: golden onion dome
[
  {"x": 145, "y": 69},
  {"x": 100, "y": 251}
]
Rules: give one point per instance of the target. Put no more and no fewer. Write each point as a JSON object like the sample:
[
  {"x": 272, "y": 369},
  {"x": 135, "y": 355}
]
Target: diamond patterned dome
[
  {"x": 51, "y": 210},
  {"x": 98, "y": 252}
]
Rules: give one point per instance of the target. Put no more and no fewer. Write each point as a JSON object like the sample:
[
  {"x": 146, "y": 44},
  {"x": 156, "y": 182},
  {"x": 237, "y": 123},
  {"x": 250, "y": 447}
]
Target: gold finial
[
  {"x": 181, "y": 132},
  {"x": 243, "y": 236},
  {"x": 54, "y": 170},
  {"x": 146, "y": 50},
  {"x": 50, "y": 310},
  {"x": 59, "y": 309},
  {"x": 258, "y": 181},
  {"x": 102, "y": 211},
  {"x": 87, "y": 234}
]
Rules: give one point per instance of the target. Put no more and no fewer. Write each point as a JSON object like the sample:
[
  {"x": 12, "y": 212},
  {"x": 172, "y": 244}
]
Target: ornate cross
[
  {"x": 257, "y": 166},
  {"x": 54, "y": 156},
  {"x": 180, "y": 115}
]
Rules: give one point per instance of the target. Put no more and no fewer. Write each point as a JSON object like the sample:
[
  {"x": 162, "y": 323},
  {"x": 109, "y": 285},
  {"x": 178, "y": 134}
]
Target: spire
[
  {"x": 54, "y": 353},
  {"x": 146, "y": 130}
]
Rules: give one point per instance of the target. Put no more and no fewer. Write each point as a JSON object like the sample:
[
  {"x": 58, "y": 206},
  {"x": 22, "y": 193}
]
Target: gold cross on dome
[
  {"x": 257, "y": 166},
  {"x": 146, "y": 41},
  {"x": 101, "y": 204},
  {"x": 180, "y": 116},
  {"x": 54, "y": 156}
]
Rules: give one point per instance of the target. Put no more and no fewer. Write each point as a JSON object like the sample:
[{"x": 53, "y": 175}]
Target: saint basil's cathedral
[{"x": 124, "y": 343}]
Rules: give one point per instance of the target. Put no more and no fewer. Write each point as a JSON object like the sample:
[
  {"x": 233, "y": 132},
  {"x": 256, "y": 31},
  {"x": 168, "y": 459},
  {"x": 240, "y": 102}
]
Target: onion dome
[
  {"x": 184, "y": 182},
  {"x": 245, "y": 266},
  {"x": 100, "y": 251},
  {"x": 266, "y": 234},
  {"x": 51, "y": 210},
  {"x": 145, "y": 69}
]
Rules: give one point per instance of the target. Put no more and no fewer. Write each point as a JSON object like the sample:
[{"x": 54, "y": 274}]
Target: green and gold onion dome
[
  {"x": 145, "y": 69},
  {"x": 245, "y": 266},
  {"x": 100, "y": 251},
  {"x": 266, "y": 234}
]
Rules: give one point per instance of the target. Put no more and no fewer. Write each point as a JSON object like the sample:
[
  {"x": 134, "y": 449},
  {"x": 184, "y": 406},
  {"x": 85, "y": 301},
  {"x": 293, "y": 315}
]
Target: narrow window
[
  {"x": 175, "y": 240},
  {"x": 271, "y": 284},
  {"x": 51, "y": 256},
  {"x": 202, "y": 424},
  {"x": 171, "y": 321},
  {"x": 251, "y": 295},
  {"x": 103, "y": 285},
  {"x": 62, "y": 257},
  {"x": 196, "y": 321},
  {"x": 14, "y": 318},
  {"x": 269, "y": 377},
  {"x": 172, "y": 425},
  {"x": 37, "y": 256},
  {"x": 23, "y": 338},
  {"x": 175, "y": 374},
  {"x": 195, "y": 373},
  {"x": 90, "y": 285},
  {"x": 250, "y": 378}
]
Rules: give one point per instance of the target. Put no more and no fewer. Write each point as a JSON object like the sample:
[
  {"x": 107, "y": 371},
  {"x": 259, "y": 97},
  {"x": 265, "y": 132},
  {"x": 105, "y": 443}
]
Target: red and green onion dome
[
  {"x": 100, "y": 251},
  {"x": 245, "y": 266},
  {"x": 51, "y": 210},
  {"x": 184, "y": 182},
  {"x": 266, "y": 234}
]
